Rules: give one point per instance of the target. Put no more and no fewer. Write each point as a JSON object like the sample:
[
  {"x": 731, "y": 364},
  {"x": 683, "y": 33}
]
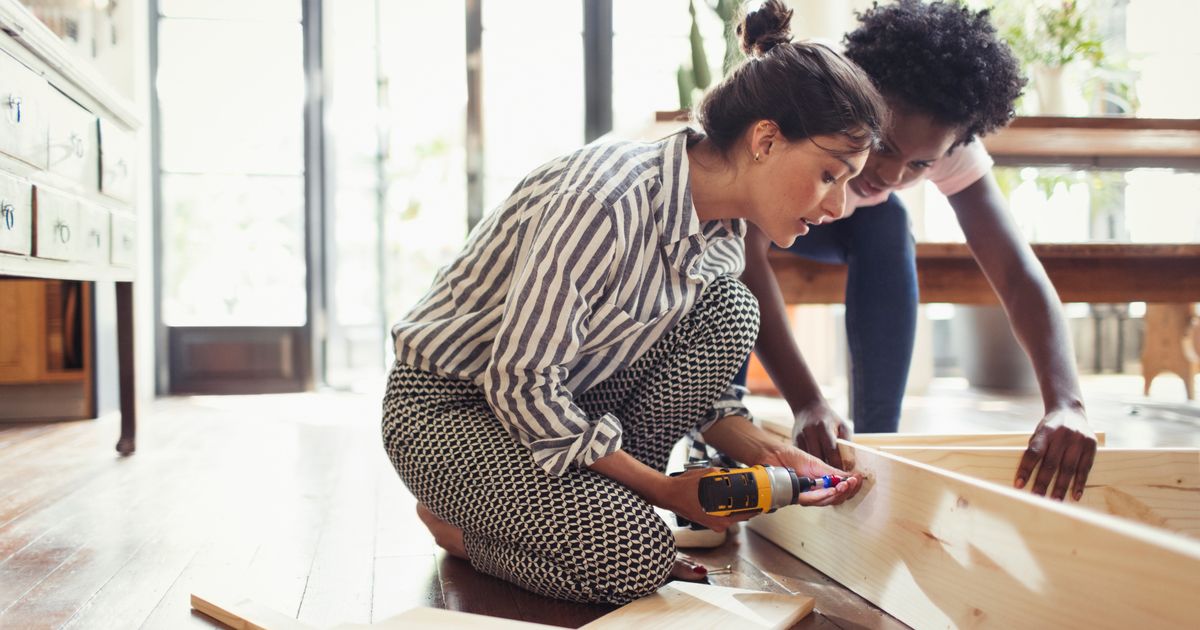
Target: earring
[{"x": 756, "y": 156}]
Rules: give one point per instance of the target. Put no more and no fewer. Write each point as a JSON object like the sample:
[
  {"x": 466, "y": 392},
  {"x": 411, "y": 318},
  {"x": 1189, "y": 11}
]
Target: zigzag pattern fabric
[{"x": 581, "y": 536}]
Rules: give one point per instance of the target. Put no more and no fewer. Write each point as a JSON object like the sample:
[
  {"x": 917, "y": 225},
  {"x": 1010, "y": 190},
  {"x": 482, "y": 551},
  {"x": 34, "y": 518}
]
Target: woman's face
[
  {"x": 802, "y": 183},
  {"x": 912, "y": 145}
]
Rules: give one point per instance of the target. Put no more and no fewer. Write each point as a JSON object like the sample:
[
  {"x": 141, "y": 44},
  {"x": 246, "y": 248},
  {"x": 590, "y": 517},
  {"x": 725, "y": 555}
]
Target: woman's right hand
[
  {"x": 816, "y": 431},
  {"x": 681, "y": 495}
]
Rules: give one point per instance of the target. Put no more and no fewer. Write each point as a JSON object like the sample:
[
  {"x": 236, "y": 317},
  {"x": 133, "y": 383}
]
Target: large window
[
  {"x": 533, "y": 108},
  {"x": 230, "y": 88},
  {"x": 396, "y": 122},
  {"x": 650, "y": 43}
]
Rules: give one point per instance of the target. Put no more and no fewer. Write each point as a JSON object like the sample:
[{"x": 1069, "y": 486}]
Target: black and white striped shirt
[{"x": 590, "y": 261}]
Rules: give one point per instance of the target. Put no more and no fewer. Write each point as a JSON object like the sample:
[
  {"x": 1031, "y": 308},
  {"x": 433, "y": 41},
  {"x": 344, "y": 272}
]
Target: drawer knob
[
  {"x": 76, "y": 144},
  {"x": 10, "y": 215},
  {"x": 95, "y": 236},
  {"x": 14, "y": 109},
  {"x": 64, "y": 232}
]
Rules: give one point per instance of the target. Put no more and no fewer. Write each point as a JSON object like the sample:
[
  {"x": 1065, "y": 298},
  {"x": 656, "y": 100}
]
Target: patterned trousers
[{"x": 582, "y": 536}]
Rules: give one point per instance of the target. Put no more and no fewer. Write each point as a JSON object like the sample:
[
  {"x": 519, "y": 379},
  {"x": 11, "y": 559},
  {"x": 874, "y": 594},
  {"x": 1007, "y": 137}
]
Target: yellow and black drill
[{"x": 757, "y": 489}]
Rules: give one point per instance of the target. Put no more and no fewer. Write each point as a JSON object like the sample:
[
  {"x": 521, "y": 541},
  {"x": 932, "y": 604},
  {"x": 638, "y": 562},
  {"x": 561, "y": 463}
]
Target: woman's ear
[{"x": 763, "y": 135}]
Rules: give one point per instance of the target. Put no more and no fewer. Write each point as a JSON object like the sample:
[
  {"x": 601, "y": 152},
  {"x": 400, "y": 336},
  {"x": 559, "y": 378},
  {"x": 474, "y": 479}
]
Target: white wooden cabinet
[{"x": 68, "y": 145}]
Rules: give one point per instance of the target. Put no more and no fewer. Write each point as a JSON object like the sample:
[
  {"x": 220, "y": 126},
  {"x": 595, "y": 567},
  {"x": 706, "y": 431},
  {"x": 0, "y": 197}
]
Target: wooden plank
[
  {"x": 876, "y": 440},
  {"x": 1091, "y": 272},
  {"x": 1159, "y": 487},
  {"x": 688, "y": 605},
  {"x": 241, "y": 613},
  {"x": 939, "y": 549},
  {"x": 339, "y": 585},
  {"x": 437, "y": 619},
  {"x": 1097, "y": 141},
  {"x": 757, "y": 563}
]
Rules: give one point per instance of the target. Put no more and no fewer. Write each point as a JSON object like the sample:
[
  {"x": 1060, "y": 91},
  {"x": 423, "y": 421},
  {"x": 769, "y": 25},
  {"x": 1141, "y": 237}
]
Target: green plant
[
  {"x": 1055, "y": 35},
  {"x": 698, "y": 75}
]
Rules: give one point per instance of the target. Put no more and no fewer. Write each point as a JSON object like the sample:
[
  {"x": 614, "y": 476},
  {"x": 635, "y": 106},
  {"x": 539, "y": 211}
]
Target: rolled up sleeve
[
  {"x": 729, "y": 403},
  {"x": 564, "y": 269}
]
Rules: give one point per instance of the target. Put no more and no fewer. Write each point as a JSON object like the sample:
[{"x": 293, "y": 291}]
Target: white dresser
[{"x": 68, "y": 144}]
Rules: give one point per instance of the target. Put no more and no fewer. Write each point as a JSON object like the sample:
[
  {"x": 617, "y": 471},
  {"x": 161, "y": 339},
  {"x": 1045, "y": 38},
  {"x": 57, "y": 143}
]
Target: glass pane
[
  {"x": 644, "y": 81},
  {"x": 425, "y": 118},
  {"x": 1163, "y": 47},
  {"x": 532, "y": 103},
  {"x": 233, "y": 250},
  {"x": 421, "y": 117},
  {"x": 1060, "y": 205},
  {"x": 650, "y": 43},
  {"x": 1162, "y": 206},
  {"x": 525, "y": 17},
  {"x": 239, "y": 106},
  {"x": 232, "y": 9}
]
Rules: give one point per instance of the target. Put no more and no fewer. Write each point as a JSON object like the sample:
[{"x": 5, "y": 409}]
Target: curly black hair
[{"x": 941, "y": 59}]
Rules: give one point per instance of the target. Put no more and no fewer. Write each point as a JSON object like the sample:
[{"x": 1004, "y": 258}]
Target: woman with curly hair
[{"x": 948, "y": 79}]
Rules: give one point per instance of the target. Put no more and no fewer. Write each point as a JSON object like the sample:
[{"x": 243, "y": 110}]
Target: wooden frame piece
[
  {"x": 877, "y": 440},
  {"x": 1159, "y": 487},
  {"x": 999, "y": 438},
  {"x": 1080, "y": 272},
  {"x": 676, "y": 606},
  {"x": 937, "y": 548},
  {"x": 241, "y": 613}
]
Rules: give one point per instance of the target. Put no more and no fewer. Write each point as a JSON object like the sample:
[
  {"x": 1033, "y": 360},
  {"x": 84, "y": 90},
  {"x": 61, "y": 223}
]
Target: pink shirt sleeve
[{"x": 963, "y": 167}]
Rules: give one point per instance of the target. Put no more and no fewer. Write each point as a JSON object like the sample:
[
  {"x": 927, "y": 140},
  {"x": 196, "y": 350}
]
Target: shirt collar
[{"x": 678, "y": 219}]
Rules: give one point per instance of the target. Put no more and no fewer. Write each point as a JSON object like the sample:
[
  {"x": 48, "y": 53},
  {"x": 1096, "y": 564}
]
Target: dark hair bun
[{"x": 765, "y": 28}]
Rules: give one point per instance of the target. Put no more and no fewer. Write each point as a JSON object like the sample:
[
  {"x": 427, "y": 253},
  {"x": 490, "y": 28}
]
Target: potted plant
[{"x": 697, "y": 76}]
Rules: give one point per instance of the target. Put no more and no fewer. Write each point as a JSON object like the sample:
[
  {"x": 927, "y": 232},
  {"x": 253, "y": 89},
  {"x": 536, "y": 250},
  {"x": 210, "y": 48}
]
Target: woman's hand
[
  {"x": 681, "y": 495},
  {"x": 1065, "y": 445},
  {"x": 809, "y": 466},
  {"x": 816, "y": 431}
]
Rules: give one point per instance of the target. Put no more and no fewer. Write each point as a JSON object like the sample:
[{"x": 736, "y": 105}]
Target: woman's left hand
[
  {"x": 809, "y": 466},
  {"x": 1065, "y": 445}
]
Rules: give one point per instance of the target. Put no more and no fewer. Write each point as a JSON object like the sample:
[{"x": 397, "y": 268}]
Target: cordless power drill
[{"x": 757, "y": 489}]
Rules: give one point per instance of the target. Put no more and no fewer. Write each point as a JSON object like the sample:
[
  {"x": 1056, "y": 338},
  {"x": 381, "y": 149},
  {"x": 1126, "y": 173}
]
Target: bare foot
[
  {"x": 447, "y": 536},
  {"x": 688, "y": 569}
]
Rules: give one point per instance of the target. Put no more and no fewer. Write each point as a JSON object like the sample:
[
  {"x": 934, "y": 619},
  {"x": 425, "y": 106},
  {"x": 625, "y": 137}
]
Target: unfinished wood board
[
  {"x": 874, "y": 440},
  {"x": 240, "y": 613},
  {"x": 688, "y": 606},
  {"x": 441, "y": 619},
  {"x": 938, "y": 549},
  {"x": 1159, "y": 487}
]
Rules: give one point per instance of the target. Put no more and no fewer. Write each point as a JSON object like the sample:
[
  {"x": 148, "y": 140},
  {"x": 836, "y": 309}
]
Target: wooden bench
[
  {"x": 1082, "y": 272},
  {"x": 1167, "y": 276}
]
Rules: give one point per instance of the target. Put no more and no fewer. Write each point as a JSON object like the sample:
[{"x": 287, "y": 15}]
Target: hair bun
[{"x": 765, "y": 28}]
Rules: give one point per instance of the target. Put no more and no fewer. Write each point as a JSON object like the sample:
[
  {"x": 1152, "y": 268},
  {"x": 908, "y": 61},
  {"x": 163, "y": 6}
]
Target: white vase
[{"x": 1051, "y": 90}]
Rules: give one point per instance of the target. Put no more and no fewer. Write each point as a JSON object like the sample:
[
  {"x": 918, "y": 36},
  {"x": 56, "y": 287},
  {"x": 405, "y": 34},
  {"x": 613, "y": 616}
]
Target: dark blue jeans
[{"x": 881, "y": 305}]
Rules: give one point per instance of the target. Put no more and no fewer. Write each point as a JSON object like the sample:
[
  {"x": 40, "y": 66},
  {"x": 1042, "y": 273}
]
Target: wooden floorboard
[{"x": 290, "y": 500}]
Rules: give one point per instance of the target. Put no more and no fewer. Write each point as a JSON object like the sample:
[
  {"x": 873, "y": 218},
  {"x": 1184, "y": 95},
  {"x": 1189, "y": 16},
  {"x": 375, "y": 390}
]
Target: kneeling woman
[{"x": 595, "y": 318}]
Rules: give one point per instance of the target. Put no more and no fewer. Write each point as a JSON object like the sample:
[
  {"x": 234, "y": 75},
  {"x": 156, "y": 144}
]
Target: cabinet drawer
[
  {"x": 23, "y": 114},
  {"x": 16, "y": 216},
  {"x": 58, "y": 228},
  {"x": 124, "y": 239},
  {"x": 74, "y": 147},
  {"x": 117, "y": 150},
  {"x": 94, "y": 243}
]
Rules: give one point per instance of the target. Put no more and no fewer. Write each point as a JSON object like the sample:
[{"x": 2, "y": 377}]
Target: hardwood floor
[{"x": 291, "y": 501}]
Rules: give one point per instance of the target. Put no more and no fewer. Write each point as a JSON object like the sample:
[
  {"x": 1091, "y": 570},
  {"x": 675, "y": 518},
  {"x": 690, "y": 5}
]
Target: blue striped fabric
[{"x": 593, "y": 258}]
